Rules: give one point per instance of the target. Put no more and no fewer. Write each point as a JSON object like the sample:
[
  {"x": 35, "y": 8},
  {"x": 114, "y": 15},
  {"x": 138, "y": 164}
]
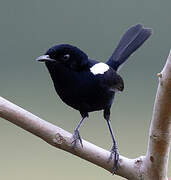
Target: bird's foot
[
  {"x": 76, "y": 137},
  {"x": 114, "y": 152}
]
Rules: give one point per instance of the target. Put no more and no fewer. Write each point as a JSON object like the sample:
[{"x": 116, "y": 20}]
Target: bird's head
[{"x": 68, "y": 55}]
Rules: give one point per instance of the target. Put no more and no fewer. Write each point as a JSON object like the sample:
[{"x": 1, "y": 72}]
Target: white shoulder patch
[{"x": 99, "y": 68}]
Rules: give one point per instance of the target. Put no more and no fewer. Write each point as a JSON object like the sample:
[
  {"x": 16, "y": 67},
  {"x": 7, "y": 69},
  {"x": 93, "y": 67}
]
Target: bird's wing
[{"x": 113, "y": 80}]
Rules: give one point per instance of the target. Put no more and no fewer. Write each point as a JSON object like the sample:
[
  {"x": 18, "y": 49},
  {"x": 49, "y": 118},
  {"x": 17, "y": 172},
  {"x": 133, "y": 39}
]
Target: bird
[{"x": 89, "y": 85}]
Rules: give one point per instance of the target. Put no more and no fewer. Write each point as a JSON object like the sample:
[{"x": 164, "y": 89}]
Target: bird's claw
[
  {"x": 114, "y": 152},
  {"x": 77, "y": 137}
]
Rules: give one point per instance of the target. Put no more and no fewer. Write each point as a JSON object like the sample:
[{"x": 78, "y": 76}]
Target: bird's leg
[
  {"x": 76, "y": 134},
  {"x": 114, "y": 149}
]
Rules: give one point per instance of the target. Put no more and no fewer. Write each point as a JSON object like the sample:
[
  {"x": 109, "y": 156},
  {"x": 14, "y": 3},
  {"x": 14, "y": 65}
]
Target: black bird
[{"x": 88, "y": 85}]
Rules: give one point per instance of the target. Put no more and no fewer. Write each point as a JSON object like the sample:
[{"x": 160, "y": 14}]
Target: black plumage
[{"x": 88, "y": 85}]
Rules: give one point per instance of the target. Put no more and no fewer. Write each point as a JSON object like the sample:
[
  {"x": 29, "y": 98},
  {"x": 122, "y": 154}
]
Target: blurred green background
[{"x": 27, "y": 30}]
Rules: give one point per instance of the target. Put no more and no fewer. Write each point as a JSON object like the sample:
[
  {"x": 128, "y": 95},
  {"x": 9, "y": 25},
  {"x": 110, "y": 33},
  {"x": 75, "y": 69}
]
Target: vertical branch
[{"x": 156, "y": 160}]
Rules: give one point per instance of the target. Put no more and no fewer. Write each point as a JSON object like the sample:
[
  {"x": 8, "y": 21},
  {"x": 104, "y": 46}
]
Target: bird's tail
[{"x": 132, "y": 39}]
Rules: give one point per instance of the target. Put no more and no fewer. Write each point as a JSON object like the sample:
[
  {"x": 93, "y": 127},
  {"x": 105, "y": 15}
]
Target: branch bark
[
  {"x": 156, "y": 160},
  {"x": 152, "y": 166}
]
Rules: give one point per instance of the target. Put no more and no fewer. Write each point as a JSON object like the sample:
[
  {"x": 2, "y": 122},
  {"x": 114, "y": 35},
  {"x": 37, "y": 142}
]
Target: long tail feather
[{"x": 132, "y": 39}]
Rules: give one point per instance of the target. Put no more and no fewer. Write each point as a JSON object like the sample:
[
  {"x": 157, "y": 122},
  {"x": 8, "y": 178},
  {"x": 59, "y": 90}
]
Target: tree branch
[
  {"x": 62, "y": 139},
  {"x": 153, "y": 166},
  {"x": 156, "y": 161}
]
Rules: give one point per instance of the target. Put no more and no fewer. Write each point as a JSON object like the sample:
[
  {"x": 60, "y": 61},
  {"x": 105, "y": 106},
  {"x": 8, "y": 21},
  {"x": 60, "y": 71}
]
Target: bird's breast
[{"x": 81, "y": 90}]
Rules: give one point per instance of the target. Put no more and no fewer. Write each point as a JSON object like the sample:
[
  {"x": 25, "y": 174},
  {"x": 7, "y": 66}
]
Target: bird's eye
[{"x": 66, "y": 57}]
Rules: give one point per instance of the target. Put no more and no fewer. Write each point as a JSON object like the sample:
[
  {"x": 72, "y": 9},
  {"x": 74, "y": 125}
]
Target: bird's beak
[{"x": 45, "y": 58}]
